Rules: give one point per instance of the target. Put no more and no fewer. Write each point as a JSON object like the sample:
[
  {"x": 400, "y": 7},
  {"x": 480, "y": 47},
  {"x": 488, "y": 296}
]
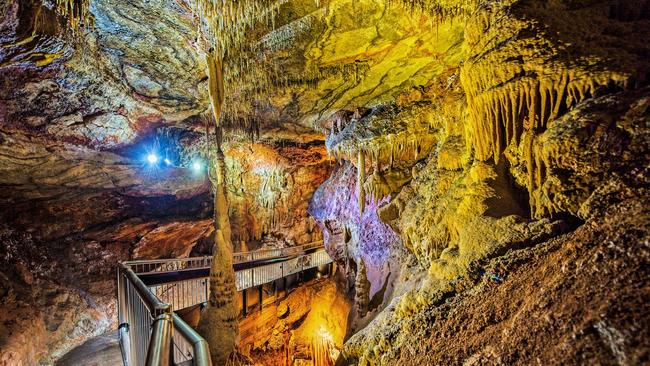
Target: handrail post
[
  {"x": 160, "y": 342},
  {"x": 123, "y": 322},
  {"x": 206, "y": 284}
]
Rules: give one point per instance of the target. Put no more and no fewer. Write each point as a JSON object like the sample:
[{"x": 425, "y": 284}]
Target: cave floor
[{"x": 99, "y": 351}]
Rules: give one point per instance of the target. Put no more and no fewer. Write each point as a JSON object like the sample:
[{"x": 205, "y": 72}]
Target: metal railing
[
  {"x": 144, "y": 321},
  {"x": 251, "y": 256},
  {"x": 180, "y": 264},
  {"x": 152, "y": 334},
  {"x": 187, "y": 293},
  {"x": 149, "y": 331},
  {"x": 168, "y": 265},
  {"x": 183, "y": 294},
  {"x": 189, "y": 346},
  {"x": 268, "y": 273}
]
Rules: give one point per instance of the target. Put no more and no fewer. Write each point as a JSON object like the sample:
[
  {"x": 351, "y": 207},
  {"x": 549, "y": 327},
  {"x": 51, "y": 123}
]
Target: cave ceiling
[
  {"x": 81, "y": 99},
  {"x": 77, "y": 106}
]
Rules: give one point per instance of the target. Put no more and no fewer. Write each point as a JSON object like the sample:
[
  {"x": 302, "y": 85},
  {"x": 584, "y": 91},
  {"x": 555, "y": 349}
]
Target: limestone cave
[{"x": 324, "y": 182}]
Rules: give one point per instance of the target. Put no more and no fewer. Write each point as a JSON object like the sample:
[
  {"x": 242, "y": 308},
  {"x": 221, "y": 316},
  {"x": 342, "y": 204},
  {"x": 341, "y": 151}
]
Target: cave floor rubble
[{"x": 99, "y": 351}]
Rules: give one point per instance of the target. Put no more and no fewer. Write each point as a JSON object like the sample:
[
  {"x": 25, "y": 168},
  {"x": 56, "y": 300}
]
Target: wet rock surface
[
  {"x": 539, "y": 304},
  {"x": 270, "y": 185}
]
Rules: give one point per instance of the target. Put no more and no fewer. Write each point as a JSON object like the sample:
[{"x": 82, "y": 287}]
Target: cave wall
[
  {"x": 72, "y": 203},
  {"x": 108, "y": 87},
  {"x": 306, "y": 326},
  {"x": 269, "y": 188},
  {"x": 521, "y": 142}
]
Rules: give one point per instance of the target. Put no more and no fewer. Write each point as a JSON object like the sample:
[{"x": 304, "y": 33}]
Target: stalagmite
[
  {"x": 221, "y": 217},
  {"x": 494, "y": 158},
  {"x": 362, "y": 290},
  {"x": 218, "y": 323}
]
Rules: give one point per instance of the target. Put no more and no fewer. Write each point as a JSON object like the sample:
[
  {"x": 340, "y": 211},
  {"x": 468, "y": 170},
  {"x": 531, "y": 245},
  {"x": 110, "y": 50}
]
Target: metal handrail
[
  {"x": 205, "y": 261},
  {"x": 186, "y": 291},
  {"x": 192, "y": 291},
  {"x": 201, "y": 350},
  {"x": 314, "y": 244},
  {"x": 153, "y": 303},
  {"x": 151, "y": 316},
  {"x": 160, "y": 343}
]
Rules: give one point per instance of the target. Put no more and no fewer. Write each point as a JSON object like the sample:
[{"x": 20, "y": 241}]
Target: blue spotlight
[{"x": 152, "y": 158}]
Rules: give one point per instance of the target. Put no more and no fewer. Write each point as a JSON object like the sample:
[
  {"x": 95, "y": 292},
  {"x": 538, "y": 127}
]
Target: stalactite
[
  {"x": 215, "y": 83},
  {"x": 377, "y": 187},
  {"x": 392, "y": 152},
  {"x": 361, "y": 178},
  {"x": 438, "y": 10},
  {"x": 270, "y": 197},
  {"x": 496, "y": 115},
  {"x": 76, "y": 12},
  {"x": 224, "y": 26},
  {"x": 513, "y": 95},
  {"x": 284, "y": 36}
]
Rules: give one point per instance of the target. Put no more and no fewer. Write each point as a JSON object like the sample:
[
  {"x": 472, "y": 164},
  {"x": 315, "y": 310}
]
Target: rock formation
[
  {"x": 287, "y": 332},
  {"x": 484, "y": 162},
  {"x": 218, "y": 324},
  {"x": 361, "y": 290}
]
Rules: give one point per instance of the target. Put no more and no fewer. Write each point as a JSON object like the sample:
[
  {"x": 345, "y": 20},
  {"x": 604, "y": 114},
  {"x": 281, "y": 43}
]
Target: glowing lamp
[
  {"x": 152, "y": 158},
  {"x": 197, "y": 166}
]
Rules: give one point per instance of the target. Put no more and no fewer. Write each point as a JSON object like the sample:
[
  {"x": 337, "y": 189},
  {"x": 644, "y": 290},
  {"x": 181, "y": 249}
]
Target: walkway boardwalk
[{"x": 150, "y": 291}]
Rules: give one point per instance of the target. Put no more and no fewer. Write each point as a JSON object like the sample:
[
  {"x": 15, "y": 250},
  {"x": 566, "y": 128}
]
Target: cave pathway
[
  {"x": 99, "y": 351},
  {"x": 150, "y": 292}
]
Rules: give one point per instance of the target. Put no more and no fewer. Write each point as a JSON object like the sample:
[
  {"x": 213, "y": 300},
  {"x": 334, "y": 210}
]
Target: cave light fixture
[
  {"x": 151, "y": 162},
  {"x": 152, "y": 158},
  {"x": 197, "y": 166}
]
